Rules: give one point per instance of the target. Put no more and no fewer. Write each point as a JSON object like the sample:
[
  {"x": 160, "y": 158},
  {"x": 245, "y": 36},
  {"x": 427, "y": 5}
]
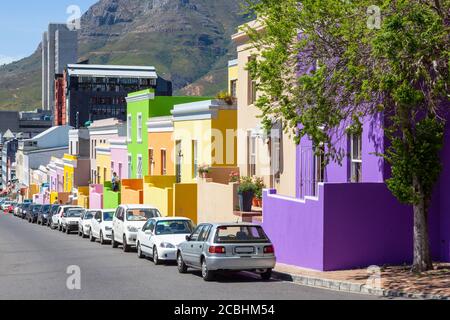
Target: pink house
[
  {"x": 96, "y": 196},
  {"x": 119, "y": 157}
]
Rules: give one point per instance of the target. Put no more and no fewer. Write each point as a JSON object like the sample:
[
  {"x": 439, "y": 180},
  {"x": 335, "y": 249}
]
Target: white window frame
[
  {"x": 139, "y": 127},
  {"x": 130, "y": 165},
  {"x": 129, "y": 127},
  {"x": 195, "y": 158},
  {"x": 355, "y": 162},
  {"x": 139, "y": 167}
]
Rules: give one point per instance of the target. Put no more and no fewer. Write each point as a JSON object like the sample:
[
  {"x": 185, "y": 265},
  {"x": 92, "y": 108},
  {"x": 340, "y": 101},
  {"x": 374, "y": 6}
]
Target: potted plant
[
  {"x": 246, "y": 192},
  {"x": 204, "y": 171},
  {"x": 234, "y": 177},
  {"x": 259, "y": 183},
  {"x": 225, "y": 96}
]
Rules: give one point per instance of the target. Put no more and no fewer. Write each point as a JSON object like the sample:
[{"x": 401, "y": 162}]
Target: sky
[{"x": 22, "y": 23}]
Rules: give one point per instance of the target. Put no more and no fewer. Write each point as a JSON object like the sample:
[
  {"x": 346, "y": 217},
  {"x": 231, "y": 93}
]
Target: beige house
[{"x": 272, "y": 159}]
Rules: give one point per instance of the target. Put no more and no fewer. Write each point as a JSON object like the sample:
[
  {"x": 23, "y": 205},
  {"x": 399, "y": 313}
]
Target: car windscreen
[
  {"x": 88, "y": 216},
  {"x": 108, "y": 216},
  {"x": 239, "y": 234},
  {"x": 141, "y": 214},
  {"x": 174, "y": 227},
  {"x": 37, "y": 208},
  {"x": 54, "y": 209},
  {"x": 74, "y": 213},
  {"x": 25, "y": 205},
  {"x": 46, "y": 209}
]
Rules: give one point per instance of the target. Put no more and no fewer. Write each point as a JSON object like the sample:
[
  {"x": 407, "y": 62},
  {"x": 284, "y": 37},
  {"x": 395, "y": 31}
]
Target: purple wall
[{"x": 339, "y": 230}]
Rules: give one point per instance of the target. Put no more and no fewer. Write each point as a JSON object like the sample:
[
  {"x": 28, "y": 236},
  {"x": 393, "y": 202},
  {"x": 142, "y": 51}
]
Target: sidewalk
[{"x": 396, "y": 281}]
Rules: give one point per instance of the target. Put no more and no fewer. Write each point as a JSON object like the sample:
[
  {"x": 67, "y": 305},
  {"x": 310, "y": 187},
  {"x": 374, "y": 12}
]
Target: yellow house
[
  {"x": 69, "y": 172},
  {"x": 233, "y": 71},
  {"x": 103, "y": 162}
]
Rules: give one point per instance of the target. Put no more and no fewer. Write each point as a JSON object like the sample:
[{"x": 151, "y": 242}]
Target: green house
[{"x": 141, "y": 106}]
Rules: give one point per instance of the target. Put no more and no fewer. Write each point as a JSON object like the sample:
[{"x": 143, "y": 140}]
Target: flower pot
[
  {"x": 258, "y": 203},
  {"x": 246, "y": 201},
  {"x": 255, "y": 202}
]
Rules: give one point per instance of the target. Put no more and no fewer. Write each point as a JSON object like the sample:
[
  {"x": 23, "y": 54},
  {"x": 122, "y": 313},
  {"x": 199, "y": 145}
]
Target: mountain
[{"x": 188, "y": 41}]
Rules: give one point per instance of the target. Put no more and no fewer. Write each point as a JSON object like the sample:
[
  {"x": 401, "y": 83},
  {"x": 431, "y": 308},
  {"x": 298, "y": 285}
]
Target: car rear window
[
  {"x": 142, "y": 214},
  {"x": 239, "y": 234}
]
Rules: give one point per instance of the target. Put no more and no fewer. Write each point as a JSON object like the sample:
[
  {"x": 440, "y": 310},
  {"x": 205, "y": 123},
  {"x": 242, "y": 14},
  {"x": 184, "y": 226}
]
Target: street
[{"x": 34, "y": 262}]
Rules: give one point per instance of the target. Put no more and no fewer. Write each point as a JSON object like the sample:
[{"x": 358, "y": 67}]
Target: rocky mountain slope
[{"x": 187, "y": 40}]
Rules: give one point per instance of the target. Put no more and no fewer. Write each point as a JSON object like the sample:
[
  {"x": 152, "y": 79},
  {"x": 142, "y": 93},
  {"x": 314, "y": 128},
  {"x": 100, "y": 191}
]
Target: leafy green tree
[{"x": 329, "y": 64}]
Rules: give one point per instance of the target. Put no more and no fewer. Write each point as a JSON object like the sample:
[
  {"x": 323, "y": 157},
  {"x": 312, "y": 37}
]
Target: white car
[
  {"x": 160, "y": 237},
  {"x": 128, "y": 220},
  {"x": 5, "y": 205},
  {"x": 56, "y": 218},
  {"x": 84, "y": 226},
  {"x": 70, "y": 218},
  {"x": 101, "y": 226}
]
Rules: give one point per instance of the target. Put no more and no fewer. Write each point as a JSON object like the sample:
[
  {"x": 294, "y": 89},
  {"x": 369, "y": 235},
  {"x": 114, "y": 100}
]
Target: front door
[{"x": 191, "y": 246}]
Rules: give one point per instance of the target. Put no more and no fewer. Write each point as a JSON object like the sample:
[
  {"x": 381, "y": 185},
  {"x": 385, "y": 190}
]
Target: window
[
  {"x": 77, "y": 148},
  {"x": 139, "y": 127},
  {"x": 130, "y": 166},
  {"x": 251, "y": 86},
  {"x": 356, "y": 158},
  {"x": 251, "y": 154},
  {"x": 195, "y": 235},
  {"x": 151, "y": 161},
  {"x": 163, "y": 162},
  {"x": 129, "y": 123},
  {"x": 233, "y": 88},
  {"x": 139, "y": 167},
  {"x": 319, "y": 168},
  {"x": 194, "y": 158},
  {"x": 120, "y": 170},
  {"x": 104, "y": 175}
]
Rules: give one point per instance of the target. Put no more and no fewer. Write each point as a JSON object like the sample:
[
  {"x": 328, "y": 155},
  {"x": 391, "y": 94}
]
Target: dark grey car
[{"x": 227, "y": 247}]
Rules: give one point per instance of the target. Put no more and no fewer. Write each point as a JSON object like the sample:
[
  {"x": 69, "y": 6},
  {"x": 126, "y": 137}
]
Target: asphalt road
[{"x": 34, "y": 262}]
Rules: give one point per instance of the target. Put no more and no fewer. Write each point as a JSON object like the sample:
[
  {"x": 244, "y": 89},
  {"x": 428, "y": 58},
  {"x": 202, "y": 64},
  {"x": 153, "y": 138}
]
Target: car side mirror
[{"x": 188, "y": 238}]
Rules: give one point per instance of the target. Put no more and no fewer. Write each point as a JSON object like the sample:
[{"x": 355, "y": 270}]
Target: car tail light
[
  {"x": 217, "y": 250},
  {"x": 269, "y": 250}
]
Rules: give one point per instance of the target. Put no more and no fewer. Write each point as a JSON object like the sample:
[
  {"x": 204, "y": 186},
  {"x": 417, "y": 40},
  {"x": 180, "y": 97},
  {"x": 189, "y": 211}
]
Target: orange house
[{"x": 161, "y": 147}]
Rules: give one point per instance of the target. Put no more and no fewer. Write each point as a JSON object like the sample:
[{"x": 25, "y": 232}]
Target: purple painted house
[{"x": 344, "y": 216}]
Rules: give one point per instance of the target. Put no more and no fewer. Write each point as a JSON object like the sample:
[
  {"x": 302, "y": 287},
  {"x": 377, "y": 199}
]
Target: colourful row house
[
  {"x": 142, "y": 106},
  {"x": 339, "y": 216},
  {"x": 77, "y": 165},
  {"x": 199, "y": 134}
]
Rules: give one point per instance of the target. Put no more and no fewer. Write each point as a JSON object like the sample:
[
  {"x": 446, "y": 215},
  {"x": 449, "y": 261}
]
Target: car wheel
[
  {"x": 182, "y": 267},
  {"x": 156, "y": 260},
  {"x": 126, "y": 247},
  {"x": 91, "y": 236},
  {"x": 139, "y": 251},
  {"x": 267, "y": 275},
  {"x": 79, "y": 232},
  {"x": 83, "y": 234},
  {"x": 207, "y": 274},
  {"x": 114, "y": 243},
  {"x": 67, "y": 230},
  {"x": 102, "y": 240},
  {"x": 59, "y": 227}
]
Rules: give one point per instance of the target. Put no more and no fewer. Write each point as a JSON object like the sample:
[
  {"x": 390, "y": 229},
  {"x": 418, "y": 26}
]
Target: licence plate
[{"x": 244, "y": 250}]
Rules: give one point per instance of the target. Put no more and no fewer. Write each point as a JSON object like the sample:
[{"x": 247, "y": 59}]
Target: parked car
[
  {"x": 33, "y": 212},
  {"x": 53, "y": 210},
  {"x": 160, "y": 237},
  {"x": 128, "y": 220},
  {"x": 23, "y": 210},
  {"x": 5, "y": 205},
  {"x": 56, "y": 218},
  {"x": 17, "y": 209},
  {"x": 227, "y": 247},
  {"x": 43, "y": 215},
  {"x": 84, "y": 226},
  {"x": 101, "y": 226},
  {"x": 70, "y": 219}
]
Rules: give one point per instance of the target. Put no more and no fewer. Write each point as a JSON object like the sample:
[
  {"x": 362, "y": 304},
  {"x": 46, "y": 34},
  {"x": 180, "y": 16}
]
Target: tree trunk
[{"x": 422, "y": 256}]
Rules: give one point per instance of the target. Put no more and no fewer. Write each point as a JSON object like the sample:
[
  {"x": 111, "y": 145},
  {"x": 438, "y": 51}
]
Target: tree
[{"x": 325, "y": 63}]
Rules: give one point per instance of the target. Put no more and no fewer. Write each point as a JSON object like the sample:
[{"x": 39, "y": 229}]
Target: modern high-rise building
[
  {"x": 95, "y": 92},
  {"x": 59, "y": 48}
]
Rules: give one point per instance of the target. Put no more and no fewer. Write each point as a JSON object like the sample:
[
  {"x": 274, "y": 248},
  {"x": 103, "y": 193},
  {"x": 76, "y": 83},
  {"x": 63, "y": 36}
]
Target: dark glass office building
[{"x": 96, "y": 92}]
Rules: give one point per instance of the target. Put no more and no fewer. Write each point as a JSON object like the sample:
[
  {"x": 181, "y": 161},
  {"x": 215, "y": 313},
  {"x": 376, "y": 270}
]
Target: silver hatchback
[{"x": 227, "y": 247}]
